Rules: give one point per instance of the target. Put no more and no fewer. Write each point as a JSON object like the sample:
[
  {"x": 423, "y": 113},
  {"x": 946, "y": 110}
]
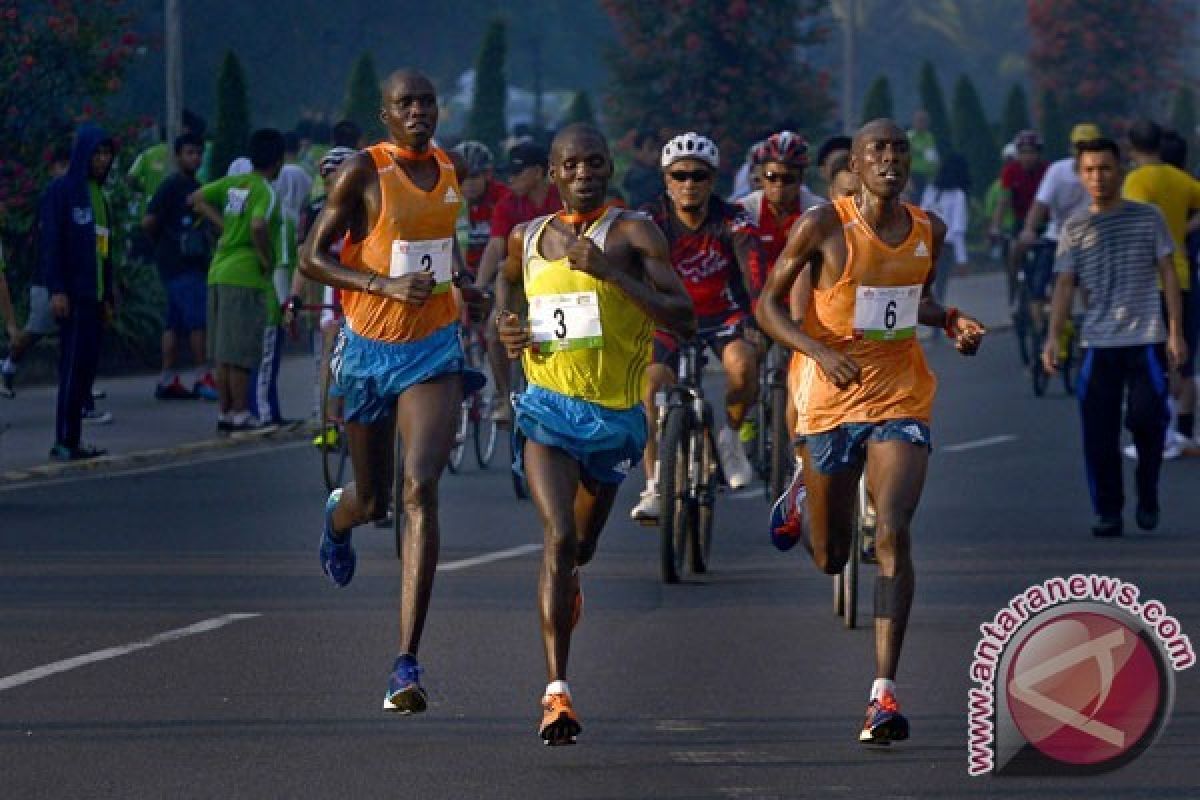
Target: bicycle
[
  {"x": 1034, "y": 311},
  {"x": 475, "y": 418},
  {"x": 689, "y": 473},
  {"x": 845, "y": 583},
  {"x": 771, "y": 448}
]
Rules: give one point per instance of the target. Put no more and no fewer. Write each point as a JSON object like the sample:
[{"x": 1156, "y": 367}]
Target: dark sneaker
[
  {"x": 560, "y": 725},
  {"x": 337, "y": 556},
  {"x": 884, "y": 723},
  {"x": 1108, "y": 526},
  {"x": 1146, "y": 519},
  {"x": 787, "y": 515},
  {"x": 61, "y": 452},
  {"x": 405, "y": 694}
]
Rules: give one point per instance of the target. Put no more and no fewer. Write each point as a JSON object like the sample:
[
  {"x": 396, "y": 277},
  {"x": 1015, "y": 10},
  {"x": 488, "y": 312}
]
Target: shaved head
[
  {"x": 406, "y": 78},
  {"x": 576, "y": 134},
  {"x": 876, "y": 129}
]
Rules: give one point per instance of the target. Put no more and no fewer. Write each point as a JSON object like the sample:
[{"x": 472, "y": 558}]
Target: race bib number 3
[
  {"x": 432, "y": 255},
  {"x": 886, "y": 313},
  {"x": 565, "y": 322}
]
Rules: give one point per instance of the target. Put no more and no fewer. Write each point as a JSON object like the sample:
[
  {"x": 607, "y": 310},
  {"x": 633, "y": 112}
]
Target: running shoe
[
  {"x": 326, "y": 439},
  {"x": 648, "y": 507},
  {"x": 1147, "y": 519},
  {"x": 884, "y": 724},
  {"x": 206, "y": 388},
  {"x": 404, "y": 693},
  {"x": 337, "y": 557},
  {"x": 735, "y": 465},
  {"x": 1107, "y": 526},
  {"x": 787, "y": 515},
  {"x": 82, "y": 452},
  {"x": 749, "y": 430},
  {"x": 559, "y": 725},
  {"x": 96, "y": 417},
  {"x": 172, "y": 391}
]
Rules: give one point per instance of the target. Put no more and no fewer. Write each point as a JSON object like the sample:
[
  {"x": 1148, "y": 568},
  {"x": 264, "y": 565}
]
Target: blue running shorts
[
  {"x": 371, "y": 374},
  {"x": 845, "y": 446},
  {"x": 606, "y": 443}
]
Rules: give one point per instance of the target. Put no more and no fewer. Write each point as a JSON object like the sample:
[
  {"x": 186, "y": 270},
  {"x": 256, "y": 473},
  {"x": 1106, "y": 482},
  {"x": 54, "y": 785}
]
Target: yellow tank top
[
  {"x": 870, "y": 315},
  {"x": 415, "y": 229},
  {"x": 592, "y": 342}
]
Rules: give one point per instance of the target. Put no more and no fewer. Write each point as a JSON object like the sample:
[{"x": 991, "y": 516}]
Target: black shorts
[{"x": 716, "y": 333}]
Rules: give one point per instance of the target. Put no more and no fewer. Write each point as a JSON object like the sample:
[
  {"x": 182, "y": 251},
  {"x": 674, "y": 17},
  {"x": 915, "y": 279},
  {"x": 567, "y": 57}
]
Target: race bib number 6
[
  {"x": 886, "y": 313},
  {"x": 434, "y": 256},
  {"x": 561, "y": 322}
]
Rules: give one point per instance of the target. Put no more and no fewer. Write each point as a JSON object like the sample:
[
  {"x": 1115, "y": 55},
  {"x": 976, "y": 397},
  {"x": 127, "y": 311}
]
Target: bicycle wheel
[
  {"x": 851, "y": 571},
  {"x": 485, "y": 428},
  {"x": 678, "y": 508},
  {"x": 707, "y": 486},
  {"x": 520, "y": 487},
  {"x": 782, "y": 457},
  {"x": 460, "y": 436},
  {"x": 1038, "y": 376},
  {"x": 334, "y": 447},
  {"x": 1020, "y": 320}
]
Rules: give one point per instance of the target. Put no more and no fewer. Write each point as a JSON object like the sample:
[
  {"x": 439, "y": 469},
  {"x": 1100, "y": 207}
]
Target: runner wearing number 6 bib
[
  {"x": 597, "y": 281},
  {"x": 863, "y": 268}
]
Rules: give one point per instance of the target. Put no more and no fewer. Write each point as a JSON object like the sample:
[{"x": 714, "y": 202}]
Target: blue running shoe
[
  {"x": 884, "y": 724},
  {"x": 337, "y": 558},
  {"x": 404, "y": 694},
  {"x": 787, "y": 515}
]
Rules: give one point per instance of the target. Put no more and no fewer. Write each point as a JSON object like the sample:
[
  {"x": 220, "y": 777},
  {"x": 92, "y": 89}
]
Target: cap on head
[
  {"x": 527, "y": 154},
  {"x": 1085, "y": 132}
]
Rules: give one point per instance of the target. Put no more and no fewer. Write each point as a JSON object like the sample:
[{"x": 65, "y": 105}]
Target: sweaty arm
[
  {"x": 344, "y": 206},
  {"x": 490, "y": 262}
]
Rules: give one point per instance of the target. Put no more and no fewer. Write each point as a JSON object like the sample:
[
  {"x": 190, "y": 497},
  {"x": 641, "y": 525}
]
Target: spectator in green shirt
[
  {"x": 240, "y": 294},
  {"x": 922, "y": 145}
]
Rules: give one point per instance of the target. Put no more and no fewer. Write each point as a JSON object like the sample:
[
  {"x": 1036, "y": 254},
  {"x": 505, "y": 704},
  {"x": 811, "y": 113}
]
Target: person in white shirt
[
  {"x": 946, "y": 196},
  {"x": 1060, "y": 194}
]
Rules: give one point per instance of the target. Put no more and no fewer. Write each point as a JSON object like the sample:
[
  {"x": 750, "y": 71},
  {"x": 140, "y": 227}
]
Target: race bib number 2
[
  {"x": 886, "y": 313},
  {"x": 568, "y": 321},
  {"x": 432, "y": 255}
]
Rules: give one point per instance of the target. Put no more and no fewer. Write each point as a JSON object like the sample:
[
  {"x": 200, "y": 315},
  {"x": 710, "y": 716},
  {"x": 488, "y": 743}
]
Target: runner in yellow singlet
[
  {"x": 863, "y": 392},
  {"x": 596, "y": 280}
]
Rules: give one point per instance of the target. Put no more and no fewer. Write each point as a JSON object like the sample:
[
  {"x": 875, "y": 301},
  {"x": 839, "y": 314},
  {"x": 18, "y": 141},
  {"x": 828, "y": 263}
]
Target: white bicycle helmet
[{"x": 690, "y": 145}]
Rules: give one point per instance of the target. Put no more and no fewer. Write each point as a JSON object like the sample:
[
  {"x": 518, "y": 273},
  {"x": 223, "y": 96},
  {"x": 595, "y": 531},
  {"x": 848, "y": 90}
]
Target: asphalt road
[{"x": 740, "y": 684}]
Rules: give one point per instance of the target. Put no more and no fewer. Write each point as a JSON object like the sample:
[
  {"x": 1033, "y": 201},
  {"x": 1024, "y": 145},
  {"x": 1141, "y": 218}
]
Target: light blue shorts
[
  {"x": 606, "y": 443},
  {"x": 845, "y": 447},
  {"x": 371, "y": 374}
]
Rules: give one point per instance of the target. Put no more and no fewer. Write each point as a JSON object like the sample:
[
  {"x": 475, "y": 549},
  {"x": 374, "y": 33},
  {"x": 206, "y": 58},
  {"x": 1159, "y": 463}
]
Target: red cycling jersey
[
  {"x": 479, "y": 222},
  {"x": 706, "y": 258},
  {"x": 772, "y": 232}
]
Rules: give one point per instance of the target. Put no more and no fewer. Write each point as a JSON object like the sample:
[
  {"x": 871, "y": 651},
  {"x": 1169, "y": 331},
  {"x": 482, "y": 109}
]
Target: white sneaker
[
  {"x": 1173, "y": 447},
  {"x": 735, "y": 465},
  {"x": 96, "y": 417},
  {"x": 648, "y": 506}
]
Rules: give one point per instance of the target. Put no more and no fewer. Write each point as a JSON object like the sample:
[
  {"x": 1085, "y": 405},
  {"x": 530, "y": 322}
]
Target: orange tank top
[
  {"x": 415, "y": 230},
  {"x": 870, "y": 315}
]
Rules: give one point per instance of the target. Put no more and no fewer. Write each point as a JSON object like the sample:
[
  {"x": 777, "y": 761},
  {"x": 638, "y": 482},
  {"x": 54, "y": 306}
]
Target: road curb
[{"x": 141, "y": 458}]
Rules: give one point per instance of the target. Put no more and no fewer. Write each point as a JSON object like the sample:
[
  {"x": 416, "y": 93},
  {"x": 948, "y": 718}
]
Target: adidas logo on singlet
[
  {"x": 921, "y": 249},
  {"x": 451, "y": 195}
]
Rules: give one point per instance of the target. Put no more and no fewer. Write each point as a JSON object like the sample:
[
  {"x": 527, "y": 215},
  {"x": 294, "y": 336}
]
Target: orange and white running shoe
[
  {"x": 559, "y": 725},
  {"x": 884, "y": 724}
]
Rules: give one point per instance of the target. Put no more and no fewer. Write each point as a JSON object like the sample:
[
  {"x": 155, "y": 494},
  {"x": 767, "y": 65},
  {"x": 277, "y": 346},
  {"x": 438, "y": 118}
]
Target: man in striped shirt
[{"x": 1118, "y": 251}]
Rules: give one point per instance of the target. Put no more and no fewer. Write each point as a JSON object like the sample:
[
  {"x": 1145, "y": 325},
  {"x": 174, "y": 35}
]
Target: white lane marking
[
  {"x": 185, "y": 460},
  {"x": 487, "y": 558},
  {"x": 45, "y": 671},
  {"x": 988, "y": 442}
]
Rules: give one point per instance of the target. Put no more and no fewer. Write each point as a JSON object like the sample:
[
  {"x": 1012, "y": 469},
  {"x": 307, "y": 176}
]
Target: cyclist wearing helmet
[
  {"x": 779, "y": 203},
  {"x": 711, "y": 245},
  {"x": 1020, "y": 179},
  {"x": 482, "y": 193}
]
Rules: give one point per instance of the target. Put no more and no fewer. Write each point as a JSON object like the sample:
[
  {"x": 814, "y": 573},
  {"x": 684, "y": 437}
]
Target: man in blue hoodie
[{"x": 74, "y": 238}]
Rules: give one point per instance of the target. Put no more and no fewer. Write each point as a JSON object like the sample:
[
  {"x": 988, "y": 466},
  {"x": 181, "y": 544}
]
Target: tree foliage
[
  {"x": 363, "y": 98},
  {"x": 1107, "y": 60},
  {"x": 1056, "y": 131},
  {"x": 487, "y": 122},
  {"x": 973, "y": 135},
  {"x": 934, "y": 104},
  {"x": 580, "y": 109},
  {"x": 1016, "y": 113},
  {"x": 878, "y": 101},
  {"x": 730, "y": 70},
  {"x": 1183, "y": 119},
  {"x": 231, "y": 134},
  {"x": 59, "y": 60}
]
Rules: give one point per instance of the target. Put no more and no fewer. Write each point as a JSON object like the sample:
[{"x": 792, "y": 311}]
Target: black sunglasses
[
  {"x": 786, "y": 178},
  {"x": 695, "y": 176}
]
